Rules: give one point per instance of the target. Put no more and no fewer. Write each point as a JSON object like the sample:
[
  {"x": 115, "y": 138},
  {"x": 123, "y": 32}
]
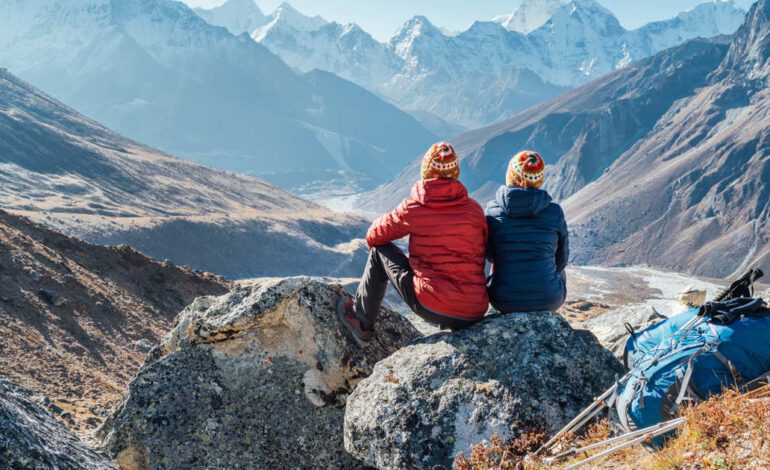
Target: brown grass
[{"x": 731, "y": 431}]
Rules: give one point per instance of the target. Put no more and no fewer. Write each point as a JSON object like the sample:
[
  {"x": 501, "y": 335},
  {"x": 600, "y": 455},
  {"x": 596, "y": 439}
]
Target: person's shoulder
[
  {"x": 476, "y": 207},
  {"x": 557, "y": 210}
]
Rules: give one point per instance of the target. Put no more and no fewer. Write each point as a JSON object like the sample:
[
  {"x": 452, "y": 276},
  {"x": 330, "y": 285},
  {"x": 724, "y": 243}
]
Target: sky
[{"x": 382, "y": 17}]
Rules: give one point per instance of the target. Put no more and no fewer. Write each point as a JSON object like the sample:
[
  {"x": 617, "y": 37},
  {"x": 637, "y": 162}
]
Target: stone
[
  {"x": 691, "y": 297},
  {"x": 610, "y": 327},
  {"x": 257, "y": 378},
  {"x": 438, "y": 396},
  {"x": 30, "y": 438},
  {"x": 142, "y": 345}
]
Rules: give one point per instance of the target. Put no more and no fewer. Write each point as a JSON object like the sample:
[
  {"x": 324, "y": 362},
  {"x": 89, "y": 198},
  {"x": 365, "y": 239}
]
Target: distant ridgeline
[{"x": 664, "y": 162}]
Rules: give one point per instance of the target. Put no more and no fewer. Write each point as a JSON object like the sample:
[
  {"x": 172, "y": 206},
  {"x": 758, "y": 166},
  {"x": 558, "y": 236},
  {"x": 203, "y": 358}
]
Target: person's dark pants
[{"x": 389, "y": 263}]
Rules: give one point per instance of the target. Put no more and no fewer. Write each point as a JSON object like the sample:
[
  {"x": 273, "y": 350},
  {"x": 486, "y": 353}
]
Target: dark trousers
[{"x": 389, "y": 263}]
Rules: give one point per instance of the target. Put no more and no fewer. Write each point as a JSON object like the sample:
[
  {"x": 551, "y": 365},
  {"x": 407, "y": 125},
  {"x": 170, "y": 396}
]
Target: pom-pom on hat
[
  {"x": 441, "y": 162},
  {"x": 526, "y": 170}
]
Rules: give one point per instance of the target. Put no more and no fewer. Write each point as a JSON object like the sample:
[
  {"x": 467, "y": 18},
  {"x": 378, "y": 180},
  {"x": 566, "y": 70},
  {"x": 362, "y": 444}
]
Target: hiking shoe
[{"x": 346, "y": 312}]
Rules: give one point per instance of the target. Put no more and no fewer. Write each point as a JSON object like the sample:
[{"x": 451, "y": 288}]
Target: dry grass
[
  {"x": 730, "y": 432},
  {"x": 727, "y": 432}
]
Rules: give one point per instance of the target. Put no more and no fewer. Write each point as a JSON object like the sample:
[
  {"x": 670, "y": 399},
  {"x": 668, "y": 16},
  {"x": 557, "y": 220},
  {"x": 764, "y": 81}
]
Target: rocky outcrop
[
  {"x": 31, "y": 439},
  {"x": 255, "y": 379},
  {"x": 441, "y": 394},
  {"x": 610, "y": 328}
]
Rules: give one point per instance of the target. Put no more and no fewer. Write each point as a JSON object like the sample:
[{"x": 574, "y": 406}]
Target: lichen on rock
[
  {"x": 510, "y": 374},
  {"x": 257, "y": 378}
]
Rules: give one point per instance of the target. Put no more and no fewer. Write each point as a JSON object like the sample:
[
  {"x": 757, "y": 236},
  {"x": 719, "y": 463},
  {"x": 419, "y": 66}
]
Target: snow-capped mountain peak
[
  {"x": 417, "y": 29},
  {"x": 238, "y": 16},
  {"x": 289, "y": 15},
  {"x": 530, "y": 15},
  {"x": 545, "y": 47}
]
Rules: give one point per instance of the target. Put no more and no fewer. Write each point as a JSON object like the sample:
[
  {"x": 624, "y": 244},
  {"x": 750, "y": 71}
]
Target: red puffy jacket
[{"x": 447, "y": 239}]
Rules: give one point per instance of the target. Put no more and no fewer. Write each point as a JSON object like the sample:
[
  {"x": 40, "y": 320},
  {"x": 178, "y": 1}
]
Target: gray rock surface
[
  {"x": 31, "y": 439},
  {"x": 441, "y": 394},
  {"x": 257, "y": 378},
  {"x": 610, "y": 329}
]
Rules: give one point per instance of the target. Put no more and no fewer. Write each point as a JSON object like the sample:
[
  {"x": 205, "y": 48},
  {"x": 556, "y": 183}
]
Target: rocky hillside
[
  {"x": 77, "y": 319},
  {"x": 693, "y": 194},
  {"x": 61, "y": 168},
  {"x": 580, "y": 133}
]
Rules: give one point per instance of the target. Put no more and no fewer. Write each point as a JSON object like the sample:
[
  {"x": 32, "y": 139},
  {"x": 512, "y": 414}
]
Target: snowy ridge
[
  {"x": 530, "y": 15},
  {"x": 238, "y": 16},
  {"x": 556, "y": 44}
]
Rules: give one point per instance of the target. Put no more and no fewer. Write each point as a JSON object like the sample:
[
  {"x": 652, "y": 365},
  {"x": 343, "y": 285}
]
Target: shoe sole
[{"x": 341, "y": 317}]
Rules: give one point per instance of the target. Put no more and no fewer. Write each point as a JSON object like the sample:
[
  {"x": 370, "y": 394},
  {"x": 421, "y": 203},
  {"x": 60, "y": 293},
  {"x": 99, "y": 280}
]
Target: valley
[{"x": 185, "y": 194}]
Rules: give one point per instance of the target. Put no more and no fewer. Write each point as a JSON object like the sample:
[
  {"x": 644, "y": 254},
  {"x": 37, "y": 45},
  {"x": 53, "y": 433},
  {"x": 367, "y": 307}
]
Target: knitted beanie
[
  {"x": 441, "y": 162},
  {"x": 526, "y": 170}
]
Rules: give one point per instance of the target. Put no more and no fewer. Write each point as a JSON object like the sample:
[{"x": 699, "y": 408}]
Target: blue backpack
[{"x": 691, "y": 357}]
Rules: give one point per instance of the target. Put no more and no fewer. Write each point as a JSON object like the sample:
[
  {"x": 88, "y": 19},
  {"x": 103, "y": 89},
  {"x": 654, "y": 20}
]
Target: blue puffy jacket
[{"x": 529, "y": 249}]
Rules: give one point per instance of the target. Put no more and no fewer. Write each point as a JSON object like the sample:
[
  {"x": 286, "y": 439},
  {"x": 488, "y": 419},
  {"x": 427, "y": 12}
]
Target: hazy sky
[{"x": 382, "y": 17}]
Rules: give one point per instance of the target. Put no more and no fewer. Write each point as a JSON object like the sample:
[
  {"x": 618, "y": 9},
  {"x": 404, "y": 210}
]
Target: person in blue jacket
[{"x": 528, "y": 241}]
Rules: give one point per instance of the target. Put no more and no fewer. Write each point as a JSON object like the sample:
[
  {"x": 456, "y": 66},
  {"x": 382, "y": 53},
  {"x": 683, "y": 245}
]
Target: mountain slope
[
  {"x": 693, "y": 195},
  {"x": 580, "y": 133},
  {"x": 61, "y": 168},
  {"x": 77, "y": 319},
  {"x": 156, "y": 72},
  {"x": 491, "y": 71}
]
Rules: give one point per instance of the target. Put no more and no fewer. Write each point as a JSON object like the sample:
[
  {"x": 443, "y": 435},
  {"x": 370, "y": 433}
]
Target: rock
[
  {"x": 610, "y": 327},
  {"x": 691, "y": 297},
  {"x": 142, "y": 345},
  {"x": 31, "y": 439},
  {"x": 50, "y": 297},
  {"x": 441, "y": 394},
  {"x": 257, "y": 378},
  {"x": 33, "y": 274}
]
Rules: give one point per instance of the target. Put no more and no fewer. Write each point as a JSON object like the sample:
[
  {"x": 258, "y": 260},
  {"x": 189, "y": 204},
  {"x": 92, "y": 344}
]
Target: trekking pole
[
  {"x": 634, "y": 434},
  {"x": 644, "y": 436},
  {"x": 586, "y": 415}
]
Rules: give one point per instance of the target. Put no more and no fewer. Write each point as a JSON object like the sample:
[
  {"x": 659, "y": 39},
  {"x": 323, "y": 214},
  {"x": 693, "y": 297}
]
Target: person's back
[
  {"x": 528, "y": 242},
  {"x": 447, "y": 237},
  {"x": 443, "y": 278}
]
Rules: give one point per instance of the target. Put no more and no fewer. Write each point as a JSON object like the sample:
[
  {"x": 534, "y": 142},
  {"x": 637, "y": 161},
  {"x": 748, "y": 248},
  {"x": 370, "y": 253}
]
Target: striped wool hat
[
  {"x": 441, "y": 162},
  {"x": 526, "y": 170}
]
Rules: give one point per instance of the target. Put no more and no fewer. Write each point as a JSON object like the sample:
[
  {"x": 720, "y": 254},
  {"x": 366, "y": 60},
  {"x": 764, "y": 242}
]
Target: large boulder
[
  {"x": 257, "y": 378},
  {"x": 509, "y": 375},
  {"x": 31, "y": 439},
  {"x": 610, "y": 327}
]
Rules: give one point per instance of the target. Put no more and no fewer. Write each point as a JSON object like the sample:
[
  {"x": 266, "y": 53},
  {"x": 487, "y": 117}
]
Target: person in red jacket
[{"x": 443, "y": 279}]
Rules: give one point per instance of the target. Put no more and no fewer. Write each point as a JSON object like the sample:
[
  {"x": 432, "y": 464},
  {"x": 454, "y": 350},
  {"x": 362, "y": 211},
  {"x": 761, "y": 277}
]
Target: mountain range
[
  {"x": 692, "y": 195},
  {"x": 663, "y": 163},
  {"x": 156, "y": 72},
  {"x": 580, "y": 133},
  {"x": 65, "y": 170},
  {"x": 489, "y": 71}
]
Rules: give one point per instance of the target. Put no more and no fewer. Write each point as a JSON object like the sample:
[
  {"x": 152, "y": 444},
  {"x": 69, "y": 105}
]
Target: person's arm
[
  {"x": 488, "y": 238},
  {"x": 562, "y": 250},
  {"x": 390, "y": 227}
]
